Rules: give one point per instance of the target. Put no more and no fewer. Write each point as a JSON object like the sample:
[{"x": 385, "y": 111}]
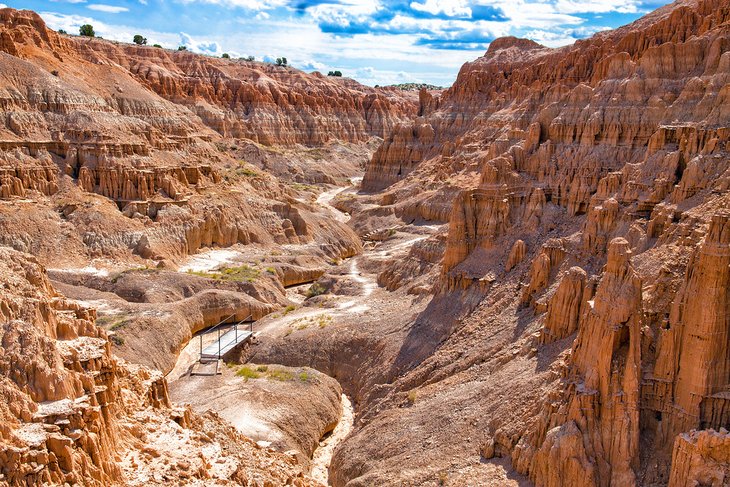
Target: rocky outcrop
[
  {"x": 74, "y": 413},
  {"x": 235, "y": 98},
  {"x": 701, "y": 458},
  {"x": 516, "y": 255},
  {"x": 543, "y": 268},
  {"x": 604, "y": 374},
  {"x": 688, "y": 384},
  {"x": 566, "y": 306},
  {"x": 158, "y": 133},
  {"x": 608, "y": 159}
]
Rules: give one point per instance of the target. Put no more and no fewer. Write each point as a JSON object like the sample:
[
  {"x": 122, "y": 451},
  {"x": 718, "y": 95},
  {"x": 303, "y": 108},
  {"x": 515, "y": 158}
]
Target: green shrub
[
  {"x": 225, "y": 55},
  {"x": 247, "y": 373},
  {"x": 232, "y": 274},
  {"x": 61, "y": 31},
  {"x": 182, "y": 48},
  {"x": 316, "y": 289},
  {"x": 157, "y": 45},
  {"x": 139, "y": 40},
  {"x": 87, "y": 30},
  {"x": 280, "y": 375}
]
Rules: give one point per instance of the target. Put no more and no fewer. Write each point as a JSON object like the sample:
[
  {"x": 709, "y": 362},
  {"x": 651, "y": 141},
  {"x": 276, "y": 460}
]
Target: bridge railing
[{"x": 217, "y": 328}]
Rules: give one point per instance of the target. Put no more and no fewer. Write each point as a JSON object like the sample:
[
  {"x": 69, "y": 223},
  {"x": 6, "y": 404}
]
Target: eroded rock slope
[
  {"x": 587, "y": 191},
  {"x": 72, "y": 413},
  {"x": 114, "y": 150}
]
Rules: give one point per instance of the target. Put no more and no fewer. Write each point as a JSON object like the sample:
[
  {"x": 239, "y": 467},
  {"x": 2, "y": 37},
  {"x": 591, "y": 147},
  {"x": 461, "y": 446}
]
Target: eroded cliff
[
  {"x": 74, "y": 413},
  {"x": 590, "y": 193}
]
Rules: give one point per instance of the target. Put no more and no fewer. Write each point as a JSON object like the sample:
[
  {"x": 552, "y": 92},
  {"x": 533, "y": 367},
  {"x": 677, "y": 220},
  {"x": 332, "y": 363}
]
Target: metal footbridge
[{"x": 240, "y": 332}]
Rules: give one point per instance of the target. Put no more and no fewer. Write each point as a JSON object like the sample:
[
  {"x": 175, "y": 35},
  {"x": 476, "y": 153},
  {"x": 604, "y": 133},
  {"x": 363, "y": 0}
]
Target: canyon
[{"x": 522, "y": 279}]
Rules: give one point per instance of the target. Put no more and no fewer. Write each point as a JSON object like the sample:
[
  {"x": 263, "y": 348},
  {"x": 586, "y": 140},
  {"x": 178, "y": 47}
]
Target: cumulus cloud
[
  {"x": 110, "y": 9},
  {"x": 2, "y": 5},
  {"x": 310, "y": 65},
  {"x": 370, "y": 40},
  {"x": 204, "y": 46},
  {"x": 451, "y": 8}
]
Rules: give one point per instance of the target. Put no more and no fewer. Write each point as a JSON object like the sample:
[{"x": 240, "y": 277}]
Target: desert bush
[
  {"x": 87, "y": 30},
  {"x": 316, "y": 289}
]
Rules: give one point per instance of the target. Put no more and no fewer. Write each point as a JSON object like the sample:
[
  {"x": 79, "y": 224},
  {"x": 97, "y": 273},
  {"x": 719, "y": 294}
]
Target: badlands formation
[{"x": 529, "y": 286}]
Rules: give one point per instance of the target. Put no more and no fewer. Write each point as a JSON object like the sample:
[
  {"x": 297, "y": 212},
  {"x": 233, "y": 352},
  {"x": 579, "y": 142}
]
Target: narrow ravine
[
  {"x": 280, "y": 324},
  {"x": 323, "y": 455}
]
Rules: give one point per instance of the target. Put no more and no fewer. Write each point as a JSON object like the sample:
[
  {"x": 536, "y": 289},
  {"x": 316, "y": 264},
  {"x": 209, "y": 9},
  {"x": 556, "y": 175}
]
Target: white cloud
[
  {"x": 2, "y": 5},
  {"x": 310, "y": 65},
  {"x": 596, "y": 6},
  {"x": 204, "y": 46},
  {"x": 256, "y": 5},
  {"x": 447, "y": 7},
  {"x": 369, "y": 75},
  {"x": 110, "y": 9}
]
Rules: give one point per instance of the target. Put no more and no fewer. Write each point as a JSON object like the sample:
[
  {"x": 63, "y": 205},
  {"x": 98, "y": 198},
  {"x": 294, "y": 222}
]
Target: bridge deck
[{"x": 224, "y": 344}]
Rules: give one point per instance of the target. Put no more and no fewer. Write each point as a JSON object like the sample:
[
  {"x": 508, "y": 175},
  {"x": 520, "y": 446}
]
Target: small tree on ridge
[
  {"x": 139, "y": 40},
  {"x": 87, "y": 30}
]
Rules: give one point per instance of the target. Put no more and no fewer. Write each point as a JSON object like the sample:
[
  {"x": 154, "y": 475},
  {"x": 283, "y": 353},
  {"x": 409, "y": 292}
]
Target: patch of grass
[
  {"x": 303, "y": 376},
  {"x": 133, "y": 269},
  {"x": 280, "y": 375},
  {"x": 289, "y": 309},
  {"x": 304, "y": 187},
  {"x": 315, "y": 289},
  {"x": 118, "y": 325},
  {"x": 262, "y": 368},
  {"x": 113, "y": 322},
  {"x": 271, "y": 270},
  {"x": 242, "y": 170},
  {"x": 412, "y": 397},
  {"x": 247, "y": 373},
  {"x": 324, "y": 320},
  {"x": 247, "y": 172},
  {"x": 117, "y": 340},
  {"x": 232, "y": 274},
  {"x": 443, "y": 478}
]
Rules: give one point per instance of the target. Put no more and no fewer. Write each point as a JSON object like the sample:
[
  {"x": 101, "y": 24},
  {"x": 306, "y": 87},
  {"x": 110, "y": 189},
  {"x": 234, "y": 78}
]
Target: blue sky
[{"x": 375, "y": 41}]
